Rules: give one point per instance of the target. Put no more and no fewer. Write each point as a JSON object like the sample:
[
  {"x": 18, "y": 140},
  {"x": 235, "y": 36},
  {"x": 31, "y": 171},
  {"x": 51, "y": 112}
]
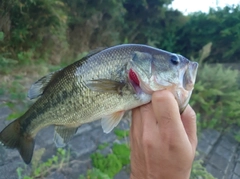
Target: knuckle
[
  {"x": 190, "y": 113},
  {"x": 146, "y": 108},
  {"x": 147, "y": 142},
  {"x": 166, "y": 118},
  {"x": 193, "y": 115},
  {"x": 164, "y": 95}
]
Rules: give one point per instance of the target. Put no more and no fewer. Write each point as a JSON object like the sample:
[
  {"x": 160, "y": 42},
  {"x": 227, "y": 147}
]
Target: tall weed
[{"x": 216, "y": 94}]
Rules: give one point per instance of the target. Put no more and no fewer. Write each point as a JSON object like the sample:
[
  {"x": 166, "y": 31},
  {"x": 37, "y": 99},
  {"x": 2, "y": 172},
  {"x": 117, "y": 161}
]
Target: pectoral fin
[
  {"x": 106, "y": 85},
  {"x": 63, "y": 134},
  {"x": 111, "y": 121}
]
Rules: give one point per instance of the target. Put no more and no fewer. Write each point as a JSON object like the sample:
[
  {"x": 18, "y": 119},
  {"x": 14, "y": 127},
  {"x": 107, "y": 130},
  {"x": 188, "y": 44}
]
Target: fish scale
[{"x": 98, "y": 87}]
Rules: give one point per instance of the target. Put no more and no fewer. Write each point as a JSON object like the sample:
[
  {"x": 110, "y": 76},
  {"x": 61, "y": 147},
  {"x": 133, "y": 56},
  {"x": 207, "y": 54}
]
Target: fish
[{"x": 102, "y": 85}]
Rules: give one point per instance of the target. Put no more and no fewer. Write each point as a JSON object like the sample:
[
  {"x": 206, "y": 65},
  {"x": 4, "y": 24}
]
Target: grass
[
  {"x": 42, "y": 169},
  {"x": 105, "y": 166},
  {"x": 94, "y": 174},
  {"x": 15, "y": 82},
  {"x": 199, "y": 171},
  {"x": 16, "y": 79},
  {"x": 121, "y": 133},
  {"x": 119, "y": 158}
]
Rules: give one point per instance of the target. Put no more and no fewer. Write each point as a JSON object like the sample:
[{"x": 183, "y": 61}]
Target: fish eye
[{"x": 175, "y": 60}]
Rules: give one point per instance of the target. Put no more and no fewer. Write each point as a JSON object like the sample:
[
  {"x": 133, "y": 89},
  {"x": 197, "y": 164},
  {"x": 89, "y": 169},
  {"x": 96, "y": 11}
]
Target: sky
[{"x": 188, "y": 6}]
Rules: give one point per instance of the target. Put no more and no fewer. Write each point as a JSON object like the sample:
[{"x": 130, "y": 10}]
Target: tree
[{"x": 221, "y": 27}]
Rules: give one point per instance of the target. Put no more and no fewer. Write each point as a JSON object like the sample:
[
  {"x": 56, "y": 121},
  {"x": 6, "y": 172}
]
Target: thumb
[{"x": 166, "y": 111}]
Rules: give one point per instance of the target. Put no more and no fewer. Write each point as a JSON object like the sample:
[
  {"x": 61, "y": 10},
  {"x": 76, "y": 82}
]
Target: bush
[
  {"x": 32, "y": 26},
  {"x": 220, "y": 26},
  {"x": 199, "y": 171},
  {"x": 109, "y": 165},
  {"x": 216, "y": 96}
]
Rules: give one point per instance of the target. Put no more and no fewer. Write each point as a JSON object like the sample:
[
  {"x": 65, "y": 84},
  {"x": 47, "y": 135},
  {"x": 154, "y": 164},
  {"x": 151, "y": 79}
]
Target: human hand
[{"x": 163, "y": 142}]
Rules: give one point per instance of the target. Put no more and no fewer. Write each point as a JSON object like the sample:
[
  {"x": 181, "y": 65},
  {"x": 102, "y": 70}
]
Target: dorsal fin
[
  {"x": 38, "y": 87},
  {"x": 91, "y": 53},
  {"x": 95, "y": 51}
]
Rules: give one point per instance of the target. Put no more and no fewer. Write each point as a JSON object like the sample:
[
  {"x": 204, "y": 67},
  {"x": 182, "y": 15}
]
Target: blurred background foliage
[
  {"x": 56, "y": 32},
  {"x": 52, "y": 30},
  {"x": 38, "y": 36}
]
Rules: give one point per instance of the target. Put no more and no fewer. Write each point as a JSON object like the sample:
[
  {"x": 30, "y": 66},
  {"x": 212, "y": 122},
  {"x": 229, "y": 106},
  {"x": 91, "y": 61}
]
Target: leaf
[{"x": 205, "y": 52}]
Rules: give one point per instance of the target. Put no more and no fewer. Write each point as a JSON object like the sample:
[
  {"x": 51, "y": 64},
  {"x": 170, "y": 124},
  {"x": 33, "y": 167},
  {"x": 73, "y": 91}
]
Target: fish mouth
[
  {"x": 188, "y": 81},
  {"x": 189, "y": 77},
  {"x": 188, "y": 84}
]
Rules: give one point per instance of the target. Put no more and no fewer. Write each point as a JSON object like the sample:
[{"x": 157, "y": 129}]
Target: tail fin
[{"x": 13, "y": 137}]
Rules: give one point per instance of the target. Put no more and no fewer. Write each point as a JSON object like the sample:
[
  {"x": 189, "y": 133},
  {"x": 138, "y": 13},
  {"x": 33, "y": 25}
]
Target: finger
[
  {"x": 149, "y": 121},
  {"x": 136, "y": 126},
  {"x": 150, "y": 128},
  {"x": 189, "y": 122},
  {"x": 166, "y": 110},
  {"x": 136, "y": 139}
]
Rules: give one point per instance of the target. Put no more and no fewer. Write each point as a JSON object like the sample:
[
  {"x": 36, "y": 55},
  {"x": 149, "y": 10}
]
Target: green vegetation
[
  {"x": 113, "y": 162},
  {"x": 122, "y": 152},
  {"x": 107, "y": 166},
  {"x": 15, "y": 91},
  {"x": 215, "y": 97},
  {"x": 37, "y": 37},
  {"x": 198, "y": 171},
  {"x": 121, "y": 133},
  {"x": 39, "y": 169},
  {"x": 102, "y": 146},
  {"x": 52, "y": 31},
  {"x": 221, "y": 27},
  {"x": 94, "y": 174}
]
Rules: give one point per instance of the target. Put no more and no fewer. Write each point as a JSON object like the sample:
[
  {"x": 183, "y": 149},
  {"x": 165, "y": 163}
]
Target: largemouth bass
[{"x": 102, "y": 85}]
